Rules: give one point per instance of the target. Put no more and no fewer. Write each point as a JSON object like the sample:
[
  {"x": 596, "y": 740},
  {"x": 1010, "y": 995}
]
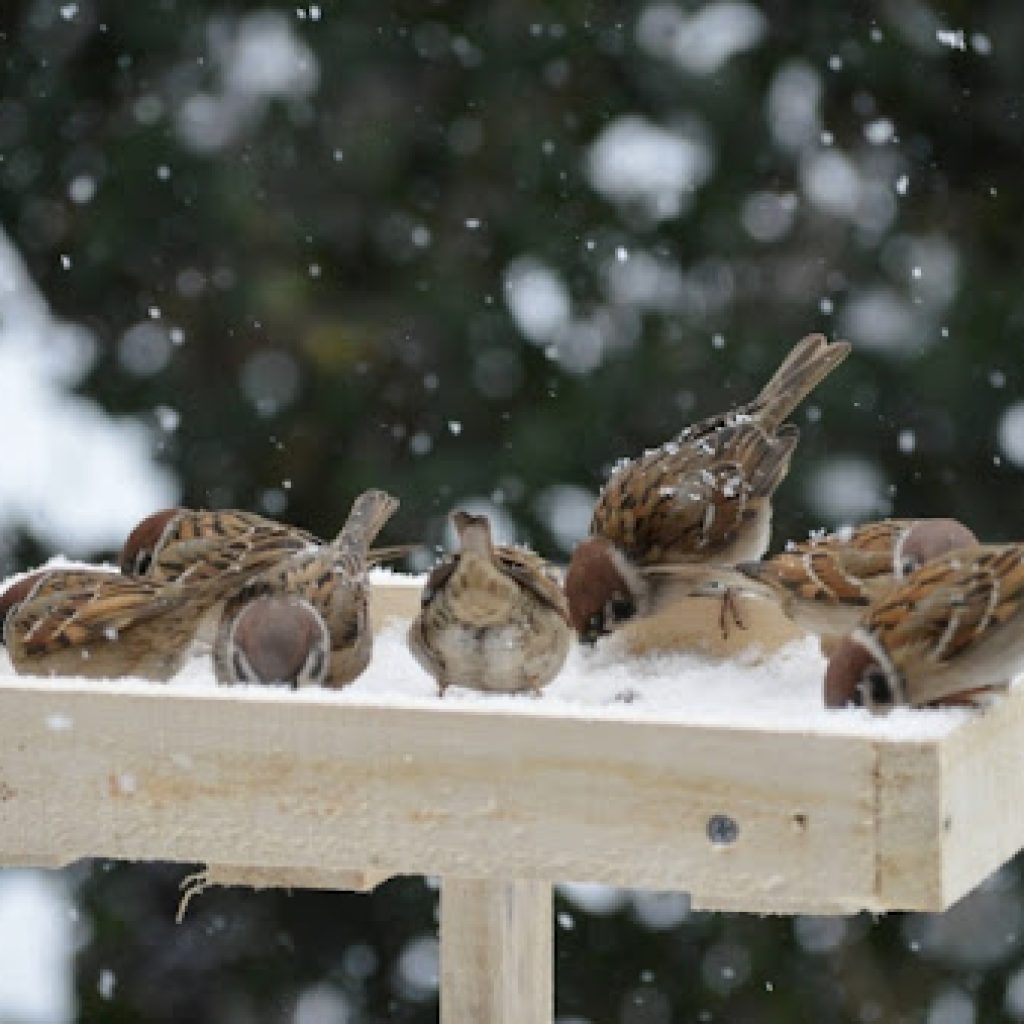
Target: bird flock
[{"x": 908, "y": 611}]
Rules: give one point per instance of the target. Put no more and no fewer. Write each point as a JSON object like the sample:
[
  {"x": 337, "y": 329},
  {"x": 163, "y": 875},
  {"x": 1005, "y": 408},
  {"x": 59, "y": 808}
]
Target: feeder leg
[{"x": 497, "y": 952}]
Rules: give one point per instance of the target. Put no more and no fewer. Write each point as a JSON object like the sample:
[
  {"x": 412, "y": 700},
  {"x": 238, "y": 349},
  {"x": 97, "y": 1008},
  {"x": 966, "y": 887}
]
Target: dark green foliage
[{"x": 364, "y": 225}]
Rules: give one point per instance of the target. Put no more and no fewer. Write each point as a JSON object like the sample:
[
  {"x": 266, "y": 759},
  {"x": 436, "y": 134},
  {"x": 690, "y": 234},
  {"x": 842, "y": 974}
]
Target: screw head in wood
[{"x": 722, "y": 830}]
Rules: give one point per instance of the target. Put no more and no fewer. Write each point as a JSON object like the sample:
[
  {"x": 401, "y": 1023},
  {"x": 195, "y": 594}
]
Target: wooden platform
[
  {"x": 318, "y": 789},
  {"x": 273, "y": 790}
]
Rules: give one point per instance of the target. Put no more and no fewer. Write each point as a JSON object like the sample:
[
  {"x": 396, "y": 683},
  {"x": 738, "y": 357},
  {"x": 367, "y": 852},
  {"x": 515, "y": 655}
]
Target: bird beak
[{"x": 593, "y": 630}]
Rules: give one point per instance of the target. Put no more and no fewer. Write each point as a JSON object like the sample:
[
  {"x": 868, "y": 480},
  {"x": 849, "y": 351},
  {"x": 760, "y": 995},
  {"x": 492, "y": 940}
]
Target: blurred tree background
[{"x": 473, "y": 253}]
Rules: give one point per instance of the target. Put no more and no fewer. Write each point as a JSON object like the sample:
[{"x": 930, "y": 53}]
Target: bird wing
[
  {"x": 687, "y": 500},
  {"x": 70, "y": 612},
  {"x": 437, "y": 579},
  {"x": 531, "y": 571},
  {"x": 204, "y": 543},
  {"x": 810, "y": 575},
  {"x": 950, "y": 603}
]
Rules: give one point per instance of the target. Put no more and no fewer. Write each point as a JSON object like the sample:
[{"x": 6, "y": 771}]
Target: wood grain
[
  {"x": 497, "y": 951},
  {"x": 271, "y": 789},
  {"x": 267, "y": 782},
  {"x": 979, "y": 819}
]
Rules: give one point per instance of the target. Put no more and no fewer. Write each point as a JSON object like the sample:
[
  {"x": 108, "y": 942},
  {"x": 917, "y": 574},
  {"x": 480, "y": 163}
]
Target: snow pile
[
  {"x": 701, "y": 43},
  {"x": 254, "y": 59},
  {"x": 37, "y": 944},
  {"x": 634, "y": 161},
  {"x": 77, "y": 477},
  {"x": 783, "y": 692},
  {"x": 780, "y": 693}
]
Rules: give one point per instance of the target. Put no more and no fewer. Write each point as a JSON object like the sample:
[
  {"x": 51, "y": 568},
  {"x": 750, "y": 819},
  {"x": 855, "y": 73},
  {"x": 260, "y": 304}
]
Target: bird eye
[
  {"x": 908, "y": 566},
  {"x": 874, "y": 689},
  {"x": 143, "y": 560},
  {"x": 621, "y": 608}
]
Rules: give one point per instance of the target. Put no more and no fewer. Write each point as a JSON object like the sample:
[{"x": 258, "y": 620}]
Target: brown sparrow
[
  {"x": 952, "y": 632},
  {"x": 173, "y": 542},
  {"x": 825, "y": 583},
  {"x": 703, "y": 498},
  {"x": 45, "y": 580},
  {"x": 492, "y": 618},
  {"x": 690, "y": 618},
  {"x": 100, "y": 624},
  {"x": 276, "y": 638},
  {"x": 319, "y": 595}
]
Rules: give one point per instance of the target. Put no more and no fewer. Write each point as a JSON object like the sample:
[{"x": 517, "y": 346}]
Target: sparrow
[
  {"x": 701, "y": 499},
  {"x": 173, "y": 542},
  {"x": 951, "y": 632},
  {"x": 305, "y": 620},
  {"x": 690, "y": 618},
  {"x": 825, "y": 583},
  {"x": 18, "y": 591},
  {"x": 89, "y": 622},
  {"x": 492, "y": 617},
  {"x": 275, "y": 638}
]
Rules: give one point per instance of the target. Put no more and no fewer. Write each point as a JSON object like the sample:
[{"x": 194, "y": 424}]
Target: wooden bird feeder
[{"x": 501, "y": 804}]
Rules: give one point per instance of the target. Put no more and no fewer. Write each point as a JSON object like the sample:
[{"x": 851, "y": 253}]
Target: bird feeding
[{"x": 913, "y": 611}]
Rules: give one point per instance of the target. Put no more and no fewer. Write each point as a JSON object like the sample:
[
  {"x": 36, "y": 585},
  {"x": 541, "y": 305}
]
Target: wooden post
[{"x": 497, "y": 952}]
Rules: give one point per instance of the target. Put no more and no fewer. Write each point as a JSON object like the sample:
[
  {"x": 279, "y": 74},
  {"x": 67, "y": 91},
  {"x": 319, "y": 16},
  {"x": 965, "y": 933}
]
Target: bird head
[
  {"x": 928, "y": 539},
  {"x": 860, "y": 674},
  {"x": 278, "y": 639},
  {"x": 138, "y": 550},
  {"x": 14, "y": 595},
  {"x": 603, "y": 589}
]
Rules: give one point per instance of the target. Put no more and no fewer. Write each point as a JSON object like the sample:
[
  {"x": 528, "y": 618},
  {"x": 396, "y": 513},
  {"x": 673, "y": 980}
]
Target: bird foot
[{"x": 730, "y": 609}]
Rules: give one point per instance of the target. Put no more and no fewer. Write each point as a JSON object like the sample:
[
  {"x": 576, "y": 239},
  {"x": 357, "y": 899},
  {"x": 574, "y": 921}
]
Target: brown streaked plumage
[
  {"x": 702, "y": 498},
  {"x": 175, "y": 543},
  {"x": 16, "y": 593},
  {"x": 492, "y": 617},
  {"x": 951, "y": 632},
  {"x": 102, "y": 625},
  {"x": 826, "y": 583},
  {"x": 331, "y": 580}
]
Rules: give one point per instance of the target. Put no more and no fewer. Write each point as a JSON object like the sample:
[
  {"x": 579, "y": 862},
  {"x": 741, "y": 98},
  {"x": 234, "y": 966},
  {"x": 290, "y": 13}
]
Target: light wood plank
[
  {"x": 393, "y": 601},
  {"x": 908, "y": 869},
  {"x": 312, "y": 793},
  {"x": 980, "y": 825},
  {"x": 271, "y": 782},
  {"x": 231, "y": 875},
  {"x": 234, "y": 875},
  {"x": 497, "y": 951}
]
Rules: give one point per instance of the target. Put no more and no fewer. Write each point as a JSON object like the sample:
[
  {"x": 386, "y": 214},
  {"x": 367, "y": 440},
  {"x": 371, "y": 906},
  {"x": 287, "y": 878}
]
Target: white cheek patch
[
  {"x": 240, "y": 665},
  {"x": 172, "y": 525},
  {"x": 897, "y": 555},
  {"x": 630, "y": 576},
  {"x": 938, "y": 652},
  {"x": 312, "y": 671},
  {"x": 881, "y": 656},
  {"x": 707, "y": 523}
]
